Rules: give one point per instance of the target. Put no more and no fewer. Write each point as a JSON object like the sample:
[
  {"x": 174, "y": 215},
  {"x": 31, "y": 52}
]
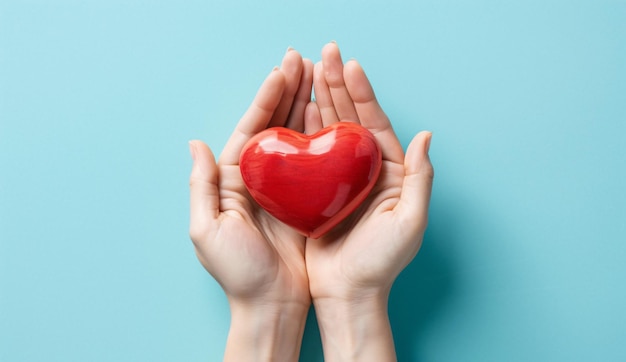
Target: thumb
[
  {"x": 204, "y": 191},
  {"x": 418, "y": 181}
]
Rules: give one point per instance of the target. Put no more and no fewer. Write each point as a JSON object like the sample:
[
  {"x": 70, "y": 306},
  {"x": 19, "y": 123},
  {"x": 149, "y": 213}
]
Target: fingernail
[
  {"x": 428, "y": 139},
  {"x": 275, "y": 68},
  {"x": 333, "y": 41},
  {"x": 192, "y": 150},
  {"x": 289, "y": 48}
]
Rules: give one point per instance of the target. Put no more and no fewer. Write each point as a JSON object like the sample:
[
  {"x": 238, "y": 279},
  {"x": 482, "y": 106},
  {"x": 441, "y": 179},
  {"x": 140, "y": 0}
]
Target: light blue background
[{"x": 525, "y": 256}]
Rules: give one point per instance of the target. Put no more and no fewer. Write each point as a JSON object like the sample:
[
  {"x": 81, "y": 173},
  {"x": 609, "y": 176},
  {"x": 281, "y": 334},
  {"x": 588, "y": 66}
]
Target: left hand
[
  {"x": 352, "y": 268},
  {"x": 369, "y": 249}
]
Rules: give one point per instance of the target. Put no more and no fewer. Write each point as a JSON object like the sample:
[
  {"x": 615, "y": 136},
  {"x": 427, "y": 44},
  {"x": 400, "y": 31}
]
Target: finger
[
  {"x": 256, "y": 117},
  {"x": 370, "y": 113},
  {"x": 295, "y": 120},
  {"x": 204, "y": 192},
  {"x": 322, "y": 96},
  {"x": 333, "y": 74},
  {"x": 291, "y": 68},
  {"x": 312, "y": 119},
  {"x": 412, "y": 209}
]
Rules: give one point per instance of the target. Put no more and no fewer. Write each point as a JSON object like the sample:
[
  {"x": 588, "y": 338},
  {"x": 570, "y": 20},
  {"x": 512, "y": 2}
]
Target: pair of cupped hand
[{"x": 259, "y": 260}]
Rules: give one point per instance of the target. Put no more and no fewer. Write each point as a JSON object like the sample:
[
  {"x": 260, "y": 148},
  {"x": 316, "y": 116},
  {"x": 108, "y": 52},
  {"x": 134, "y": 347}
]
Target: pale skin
[{"x": 269, "y": 272}]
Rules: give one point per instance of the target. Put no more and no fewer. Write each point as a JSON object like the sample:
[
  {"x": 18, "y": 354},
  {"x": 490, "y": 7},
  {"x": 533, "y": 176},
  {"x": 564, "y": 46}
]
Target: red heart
[{"x": 311, "y": 182}]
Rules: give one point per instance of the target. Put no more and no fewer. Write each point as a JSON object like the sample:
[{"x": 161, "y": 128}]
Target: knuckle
[
  {"x": 428, "y": 171},
  {"x": 197, "y": 233},
  {"x": 195, "y": 181}
]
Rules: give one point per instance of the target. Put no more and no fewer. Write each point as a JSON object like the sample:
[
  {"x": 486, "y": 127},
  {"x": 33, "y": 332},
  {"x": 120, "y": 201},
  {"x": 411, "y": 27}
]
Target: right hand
[{"x": 254, "y": 257}]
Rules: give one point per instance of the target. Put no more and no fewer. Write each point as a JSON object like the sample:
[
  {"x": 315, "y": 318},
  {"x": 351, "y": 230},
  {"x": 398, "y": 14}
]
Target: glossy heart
[{"x": 311, "y": 182}]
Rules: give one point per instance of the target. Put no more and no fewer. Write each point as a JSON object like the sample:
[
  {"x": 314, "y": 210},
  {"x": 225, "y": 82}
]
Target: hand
[
  {"x": 351, "y": 269},
  {"x": 257, "y": 260}
]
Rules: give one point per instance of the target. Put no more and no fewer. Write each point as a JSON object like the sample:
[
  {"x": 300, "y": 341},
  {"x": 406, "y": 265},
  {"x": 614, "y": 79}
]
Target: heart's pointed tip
[
  {"x": 321, "y": 231},
  {"x": 312, "y": 234}
]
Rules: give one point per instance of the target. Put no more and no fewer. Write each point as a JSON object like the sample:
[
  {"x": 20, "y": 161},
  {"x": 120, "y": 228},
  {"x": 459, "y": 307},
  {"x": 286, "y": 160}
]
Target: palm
[
  {"x": 269, "y": 255},
  {"x": 367, "y": 250}
]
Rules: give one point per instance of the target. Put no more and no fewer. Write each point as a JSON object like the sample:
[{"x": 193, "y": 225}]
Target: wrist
[
  {"x": 356, "y": 328},
  {"x": 265, "y": 331}
]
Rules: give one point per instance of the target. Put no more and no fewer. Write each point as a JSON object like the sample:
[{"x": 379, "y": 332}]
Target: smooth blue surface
[{"x": 525, "y": 256}]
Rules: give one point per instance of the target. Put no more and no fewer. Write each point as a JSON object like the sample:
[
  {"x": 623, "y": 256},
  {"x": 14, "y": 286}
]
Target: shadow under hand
[
  {"x": 421, "y": 291},
  {"x": 311, "y": 350},
  {"x": 418, "y": 297}
]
